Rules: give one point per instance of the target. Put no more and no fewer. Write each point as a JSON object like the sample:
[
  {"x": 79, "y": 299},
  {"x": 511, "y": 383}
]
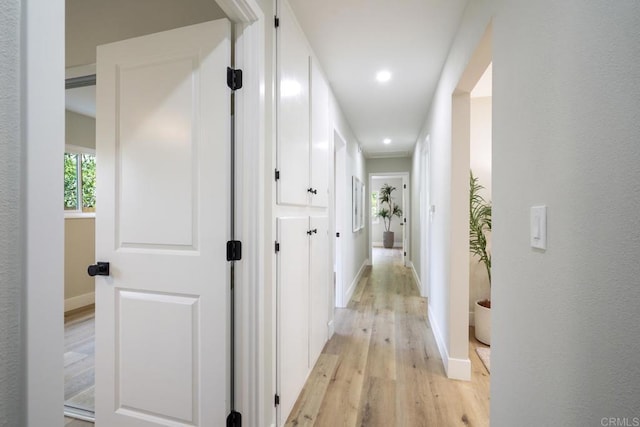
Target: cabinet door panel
[
  {"x": 292, "y": 153},
  {"x": 319, "y": 160},
  {"x": 293, "y": 304},
  {"x": 319, "y": 287}
]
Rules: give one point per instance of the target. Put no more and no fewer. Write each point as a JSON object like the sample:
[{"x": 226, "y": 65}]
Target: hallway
[{"x": 382, "y": 366}]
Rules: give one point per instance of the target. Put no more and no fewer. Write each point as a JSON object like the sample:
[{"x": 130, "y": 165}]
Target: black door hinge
[
  {"x": 277, "y": 247},
  {"x": 234, "y": 250},
  {"x": 405, "y": 254},
  {"x": 234, "y": 419},
  {"x": 234, "y": 78},
  {"x": 405, "y": 185},
  {"x": 277, "y": 174},
  {"x": 276, "y": 400},
  {"x": 276, "y": 21},
  {"x": 337, "y": 234}
]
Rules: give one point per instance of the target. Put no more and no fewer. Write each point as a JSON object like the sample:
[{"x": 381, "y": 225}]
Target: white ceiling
[{"x": 354, "y": 39}]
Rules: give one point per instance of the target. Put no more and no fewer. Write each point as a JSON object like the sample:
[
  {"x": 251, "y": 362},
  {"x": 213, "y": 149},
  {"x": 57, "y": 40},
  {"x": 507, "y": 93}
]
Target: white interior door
[
  {"x": 163, "y": 143},
  {"x": 293, "y": 309}
]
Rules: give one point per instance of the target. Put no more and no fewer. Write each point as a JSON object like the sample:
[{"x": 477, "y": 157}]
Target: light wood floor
[
  {"x": 382, "y": 366},
  {"x": 79, "y": 360}
]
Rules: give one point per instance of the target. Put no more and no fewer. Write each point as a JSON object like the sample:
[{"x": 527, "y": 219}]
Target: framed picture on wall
[
  {"x": 358, "y": 203},
  {"x": 362, "y": 205},
  {"x": 355, "y": 187}
]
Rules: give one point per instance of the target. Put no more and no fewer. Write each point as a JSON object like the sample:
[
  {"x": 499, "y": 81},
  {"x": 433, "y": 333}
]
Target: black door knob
[{"x": 99, "y": 269}]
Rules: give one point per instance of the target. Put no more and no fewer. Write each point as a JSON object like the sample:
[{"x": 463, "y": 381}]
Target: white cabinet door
[
  {"x": 293, "y": 111},
  {"x": 319, "y": 159},
  {"x": 293, "y": 307},
  {"x": 319, "y": 285},
  {"x": 163, "y": 185}
]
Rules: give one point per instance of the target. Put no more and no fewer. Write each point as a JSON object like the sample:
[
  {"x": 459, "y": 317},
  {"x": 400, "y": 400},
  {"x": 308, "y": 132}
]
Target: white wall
[
  {"x": 11, "y": 212},
  {"x": 80, "y": 130},
  {"x": 480, "y": 147},
  {"x": 480, "y": 164},
  {"x": 438, "y": 126},
  {"x": 378, "y": 228},
  {"x": 354, "y": 244},
  {"x": 565, "y": 132},
  {"x": 566, "y": 135}
]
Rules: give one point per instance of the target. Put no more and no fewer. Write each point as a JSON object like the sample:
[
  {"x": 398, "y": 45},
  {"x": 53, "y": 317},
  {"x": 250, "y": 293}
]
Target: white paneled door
[{"x": 162, "y": 224}]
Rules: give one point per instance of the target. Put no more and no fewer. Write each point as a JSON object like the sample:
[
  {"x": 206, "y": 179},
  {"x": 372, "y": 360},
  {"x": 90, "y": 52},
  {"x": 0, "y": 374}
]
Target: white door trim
[
  {"x": 405, "y": 214},
  {"x": 42, "y": 119}
]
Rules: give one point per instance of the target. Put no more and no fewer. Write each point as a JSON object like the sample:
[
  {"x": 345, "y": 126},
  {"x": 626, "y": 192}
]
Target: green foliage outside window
[
  {"x": 88, "y": 182},
  {"x": 70, "y": 181},
  {"x": 79, "y": 179}
]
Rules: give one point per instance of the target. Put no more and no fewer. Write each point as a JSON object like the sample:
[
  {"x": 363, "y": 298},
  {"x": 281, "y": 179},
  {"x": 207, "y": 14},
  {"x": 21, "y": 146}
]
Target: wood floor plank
[
  {"x": 308, "y": 405},
  {"x": 388, "y": 371},
  {"x": 377, "y": 406},
  {"x": 79, "y": 359}
]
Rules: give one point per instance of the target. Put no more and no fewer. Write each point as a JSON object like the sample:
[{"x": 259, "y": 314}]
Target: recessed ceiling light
[
  {"x": 386, "y": 141},
  {"x": 383, "y": 76}
]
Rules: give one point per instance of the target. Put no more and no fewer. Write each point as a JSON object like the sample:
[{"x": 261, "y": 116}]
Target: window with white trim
[{"x": 79, "y": 180}]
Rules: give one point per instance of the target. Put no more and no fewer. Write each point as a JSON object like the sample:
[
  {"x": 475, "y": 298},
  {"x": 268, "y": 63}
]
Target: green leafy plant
[
  {"x": 479, "y": 223},
  {"x": 391, "y": 209}
]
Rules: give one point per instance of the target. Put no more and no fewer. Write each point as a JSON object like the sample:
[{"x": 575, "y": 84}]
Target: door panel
[
  {"x": 319, "y": 287},
  {"x": 319, "y": 138},
  {"x": 293, "y": 298},
  {"x": 293, "y": 111},
  {"x": 163, "y": 183},
  {"x": 155, "y": 112}
]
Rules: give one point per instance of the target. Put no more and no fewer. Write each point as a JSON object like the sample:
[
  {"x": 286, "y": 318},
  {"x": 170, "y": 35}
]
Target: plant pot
[
  {"x": 483, "y": 323},
  {"x": 387, "y": 239}
]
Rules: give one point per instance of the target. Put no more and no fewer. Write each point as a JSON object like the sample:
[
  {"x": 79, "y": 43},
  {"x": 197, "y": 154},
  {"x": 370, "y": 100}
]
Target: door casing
[{"x": 42, "y": 118}]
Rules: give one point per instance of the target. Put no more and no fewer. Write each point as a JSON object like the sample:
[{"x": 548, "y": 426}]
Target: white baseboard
[
  {"x": 79, "y": 301},
  {"x": 459, "y": 369},
  {"x": 456, "y": 369},
  {"x": 354, "y": 283},
  {"x": 332, "y": 328},
  {"x": 472, "y": 318}
]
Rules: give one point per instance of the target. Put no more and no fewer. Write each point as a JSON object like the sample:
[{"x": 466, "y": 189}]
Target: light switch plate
[{"x": 539, "y": 227}]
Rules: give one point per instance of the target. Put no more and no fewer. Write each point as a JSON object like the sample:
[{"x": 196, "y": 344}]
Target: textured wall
[
  {"x": 566, "y": 131},
  {"x": 10, "y": 224}
]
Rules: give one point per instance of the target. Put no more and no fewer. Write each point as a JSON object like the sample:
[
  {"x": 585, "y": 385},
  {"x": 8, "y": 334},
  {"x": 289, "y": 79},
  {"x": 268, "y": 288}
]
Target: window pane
[
  {"x": 88, "y": 183},
  {"x": 70, "y": 181}
]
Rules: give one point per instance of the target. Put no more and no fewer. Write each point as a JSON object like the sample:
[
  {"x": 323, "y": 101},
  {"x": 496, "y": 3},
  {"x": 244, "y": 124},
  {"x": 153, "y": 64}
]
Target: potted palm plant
[
  {"x": 387, "y": 213},
  {"x": 479, "y": 226}
]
